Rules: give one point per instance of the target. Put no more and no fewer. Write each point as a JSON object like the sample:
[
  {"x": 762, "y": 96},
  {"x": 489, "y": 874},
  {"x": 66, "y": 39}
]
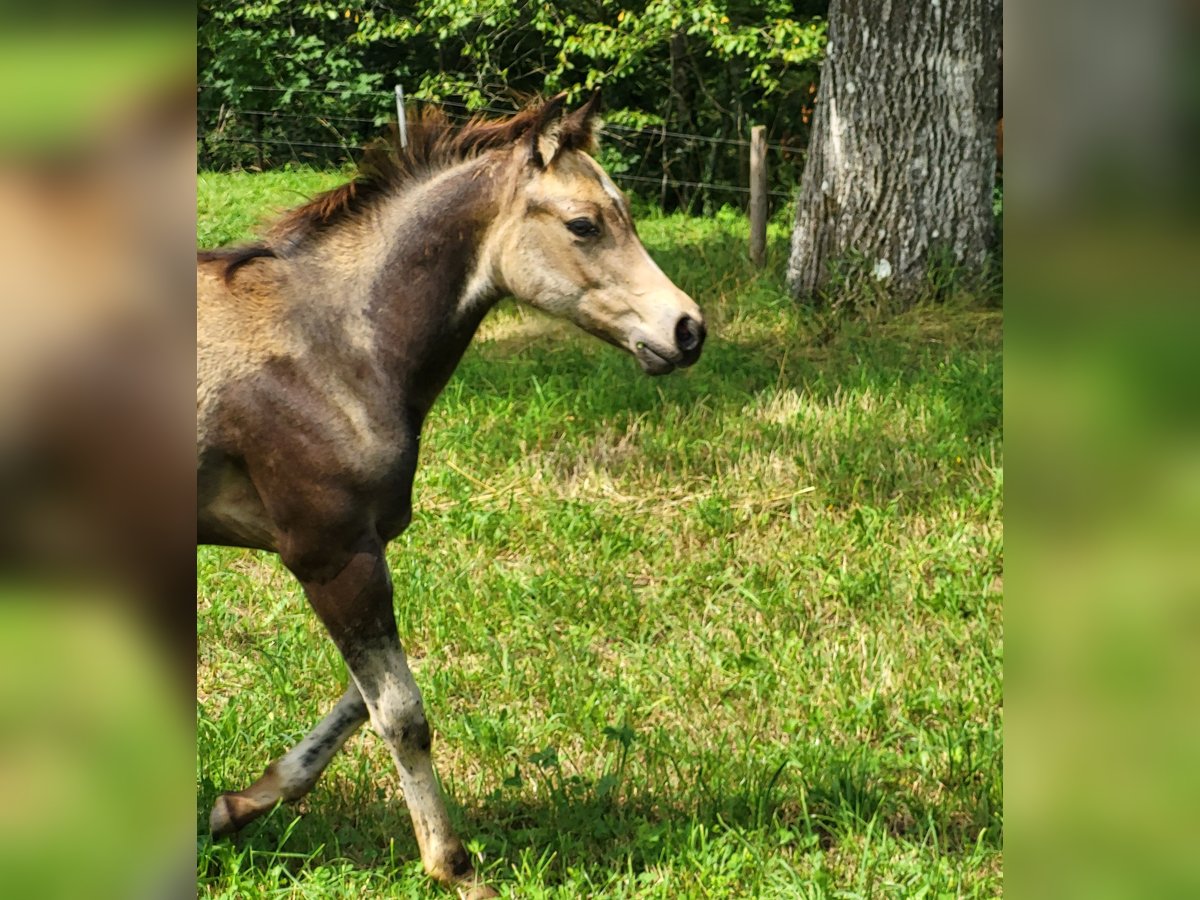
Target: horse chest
[{"x": 393, "y": 496}]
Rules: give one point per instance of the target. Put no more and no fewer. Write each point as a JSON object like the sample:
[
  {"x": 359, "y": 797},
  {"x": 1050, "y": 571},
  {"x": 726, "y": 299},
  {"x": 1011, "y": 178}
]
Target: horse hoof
[
  {"x": 222, "y": 821},
  {"x": 229, "y": 814}
]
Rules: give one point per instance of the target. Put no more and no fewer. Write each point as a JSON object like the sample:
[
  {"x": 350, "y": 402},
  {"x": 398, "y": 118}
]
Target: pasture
[{"x": 735, "y": 632}]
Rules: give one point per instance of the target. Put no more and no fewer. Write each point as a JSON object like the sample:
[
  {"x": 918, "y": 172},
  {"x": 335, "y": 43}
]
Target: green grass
[{"x": 731, "y": 633}]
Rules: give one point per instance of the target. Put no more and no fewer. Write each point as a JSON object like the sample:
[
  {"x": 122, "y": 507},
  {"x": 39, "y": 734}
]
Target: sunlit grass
[{"x": 731, "y": 633}]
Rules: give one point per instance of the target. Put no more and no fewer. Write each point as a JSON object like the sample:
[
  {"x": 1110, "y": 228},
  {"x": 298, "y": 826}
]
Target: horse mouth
[{"x": 651, "y": 361}]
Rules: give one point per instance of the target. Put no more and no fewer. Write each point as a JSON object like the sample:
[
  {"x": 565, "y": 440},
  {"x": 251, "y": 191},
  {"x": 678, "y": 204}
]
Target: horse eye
[{"x": 583, "y": 228}]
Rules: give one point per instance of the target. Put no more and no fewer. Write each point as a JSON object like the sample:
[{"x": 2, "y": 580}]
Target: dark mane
[
  {"x": 433, "y": 144},
  {"x": 235, "y": 257}
]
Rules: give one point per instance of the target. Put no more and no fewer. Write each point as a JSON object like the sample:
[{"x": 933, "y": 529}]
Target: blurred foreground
[
  {"x": 1102, "y": 677},
  {"x": 97, "y": 560}
]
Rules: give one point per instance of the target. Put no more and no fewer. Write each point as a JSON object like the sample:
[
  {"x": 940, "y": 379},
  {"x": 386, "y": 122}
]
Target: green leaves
[{"x": 709, "y": 68}]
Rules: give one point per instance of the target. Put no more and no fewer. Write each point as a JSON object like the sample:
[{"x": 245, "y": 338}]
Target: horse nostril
[{"x": 689, "y": 334}]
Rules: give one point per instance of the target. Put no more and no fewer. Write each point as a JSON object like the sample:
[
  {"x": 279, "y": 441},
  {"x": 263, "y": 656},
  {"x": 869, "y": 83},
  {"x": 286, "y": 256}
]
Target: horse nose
[{"x": 689, "y": 337}]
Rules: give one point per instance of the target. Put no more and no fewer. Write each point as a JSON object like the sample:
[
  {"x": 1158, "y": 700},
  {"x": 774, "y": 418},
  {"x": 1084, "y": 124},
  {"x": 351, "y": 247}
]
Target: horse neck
[{"x": 415, "y": 270}]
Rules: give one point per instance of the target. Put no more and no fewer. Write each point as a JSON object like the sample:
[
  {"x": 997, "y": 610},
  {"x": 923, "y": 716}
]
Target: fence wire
[
  {"x": 312, "y": 148},
  {"x": 616, "y": 176},
  {"x": 645, "y": 129}
]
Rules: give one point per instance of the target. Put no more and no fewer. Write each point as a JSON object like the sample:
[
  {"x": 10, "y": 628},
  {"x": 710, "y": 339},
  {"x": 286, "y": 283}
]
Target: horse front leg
[{"x": 355, "y": 604}]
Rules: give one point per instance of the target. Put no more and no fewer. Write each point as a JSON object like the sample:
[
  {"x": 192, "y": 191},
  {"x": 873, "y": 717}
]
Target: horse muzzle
[{"x": 658, "y": 357}]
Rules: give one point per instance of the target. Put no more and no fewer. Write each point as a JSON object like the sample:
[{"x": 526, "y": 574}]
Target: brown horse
[{"x": 322, "y": 349}]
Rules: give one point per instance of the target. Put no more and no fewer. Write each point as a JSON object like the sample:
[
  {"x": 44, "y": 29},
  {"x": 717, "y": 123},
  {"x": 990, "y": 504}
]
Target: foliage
[
  {"x": 710, "y": 68},
  {"x": 731, "y": 633}
]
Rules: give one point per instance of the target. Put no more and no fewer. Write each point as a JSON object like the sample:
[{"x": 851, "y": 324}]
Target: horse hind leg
[{"x": 293, "y": 774}]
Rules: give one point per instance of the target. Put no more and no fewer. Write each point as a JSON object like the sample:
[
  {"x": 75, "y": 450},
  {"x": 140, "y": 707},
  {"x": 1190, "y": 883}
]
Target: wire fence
[
  {"x": 640, "y": 157},
  {"x": 491, "y": 110}
]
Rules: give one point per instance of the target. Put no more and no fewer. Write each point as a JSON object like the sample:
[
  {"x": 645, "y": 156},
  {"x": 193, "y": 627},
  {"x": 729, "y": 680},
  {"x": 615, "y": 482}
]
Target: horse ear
[
  {"x": 584, "y": 124},
  {"x": 544, "y": 134}
]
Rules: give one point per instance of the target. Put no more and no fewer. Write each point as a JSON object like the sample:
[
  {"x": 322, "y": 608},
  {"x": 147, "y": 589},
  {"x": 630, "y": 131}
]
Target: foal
[{"x": 322, "y": 349}]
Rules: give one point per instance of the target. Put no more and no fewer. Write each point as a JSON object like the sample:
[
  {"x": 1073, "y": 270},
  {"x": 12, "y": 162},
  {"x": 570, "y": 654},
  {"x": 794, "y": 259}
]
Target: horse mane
[
  {"x": 434, "y": 143},
  {"x": 235, "y": 257}
]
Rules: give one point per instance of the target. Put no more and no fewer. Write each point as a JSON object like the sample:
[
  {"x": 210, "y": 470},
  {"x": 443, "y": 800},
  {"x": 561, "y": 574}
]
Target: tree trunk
[{"x": 902, "y": 161}]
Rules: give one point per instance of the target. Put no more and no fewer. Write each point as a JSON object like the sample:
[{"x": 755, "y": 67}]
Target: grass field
[{"x": 735, "y": 632}]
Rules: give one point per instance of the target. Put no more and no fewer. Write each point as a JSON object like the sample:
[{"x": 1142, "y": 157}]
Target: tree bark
[{"x": 902, "y": 161}]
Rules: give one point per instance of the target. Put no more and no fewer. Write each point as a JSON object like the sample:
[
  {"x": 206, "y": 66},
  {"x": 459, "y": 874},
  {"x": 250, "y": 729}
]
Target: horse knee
[
  {"x": 406, "y": 729},
  {"x": 416, "y": 735}
]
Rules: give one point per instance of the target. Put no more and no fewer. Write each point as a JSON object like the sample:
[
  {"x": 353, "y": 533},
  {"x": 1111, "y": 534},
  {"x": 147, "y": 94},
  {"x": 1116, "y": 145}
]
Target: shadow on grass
[
  {"x": 576, "y": 829},
  {"x": 905, "y": 406},
  {"x": 542, "y": 358}
]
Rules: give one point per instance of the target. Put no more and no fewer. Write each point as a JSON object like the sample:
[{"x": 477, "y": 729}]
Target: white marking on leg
[{"x": 398, "y": 715}]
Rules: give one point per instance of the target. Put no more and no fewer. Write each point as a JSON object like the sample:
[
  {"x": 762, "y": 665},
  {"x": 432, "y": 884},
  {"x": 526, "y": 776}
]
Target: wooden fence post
[
  {"x": 401, "y": 117},
  {"x": 758, "y": 195}
]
